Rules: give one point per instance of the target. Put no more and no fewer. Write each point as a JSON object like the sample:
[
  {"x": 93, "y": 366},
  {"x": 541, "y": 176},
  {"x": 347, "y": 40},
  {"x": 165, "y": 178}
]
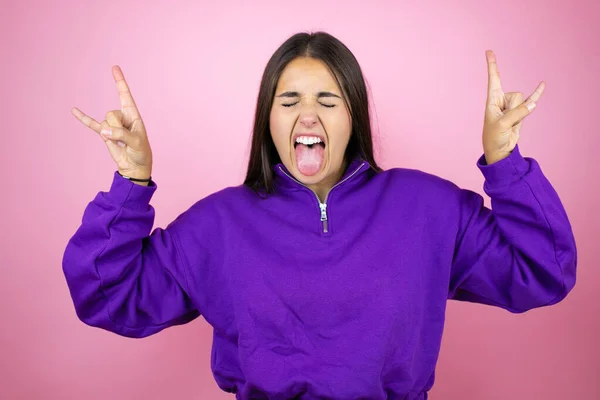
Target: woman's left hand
[{"x": 504, "y": 113}]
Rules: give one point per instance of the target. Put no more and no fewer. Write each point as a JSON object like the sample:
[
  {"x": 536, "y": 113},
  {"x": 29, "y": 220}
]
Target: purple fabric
[{"x": 353, "y": 312}]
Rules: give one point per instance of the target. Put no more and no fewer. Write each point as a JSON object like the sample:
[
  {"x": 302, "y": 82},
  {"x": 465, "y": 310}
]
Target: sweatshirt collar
[{"x": 355, "y": 169}]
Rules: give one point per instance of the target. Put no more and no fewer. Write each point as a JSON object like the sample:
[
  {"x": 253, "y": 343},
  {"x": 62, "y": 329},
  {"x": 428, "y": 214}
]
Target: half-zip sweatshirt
[{"x": 340, "y": 299}]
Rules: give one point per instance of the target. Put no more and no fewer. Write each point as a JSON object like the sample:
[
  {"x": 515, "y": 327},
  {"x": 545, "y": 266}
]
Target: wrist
[
  {"x": 141, "y": 178},
  {"x": 491, "y": 158}
]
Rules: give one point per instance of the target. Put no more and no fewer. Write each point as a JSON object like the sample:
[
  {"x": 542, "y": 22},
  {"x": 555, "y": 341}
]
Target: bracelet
[{"x": 135, "y": 179}]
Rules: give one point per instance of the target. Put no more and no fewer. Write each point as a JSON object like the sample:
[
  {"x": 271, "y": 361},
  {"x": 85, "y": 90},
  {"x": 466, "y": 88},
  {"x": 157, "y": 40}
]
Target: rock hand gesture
[
  {"x": 504, "y": 113},
  {"x": 124, "y": 133}
]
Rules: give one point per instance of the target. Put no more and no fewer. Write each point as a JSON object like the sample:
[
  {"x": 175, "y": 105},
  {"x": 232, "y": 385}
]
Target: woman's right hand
[{"x": 128, "y": 143}]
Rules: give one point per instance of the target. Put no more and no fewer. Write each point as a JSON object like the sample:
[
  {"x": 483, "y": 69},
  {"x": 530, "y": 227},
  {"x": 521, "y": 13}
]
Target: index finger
[
  {"x": 493, "y": 75},
  {"x": 127, "y": 104}
]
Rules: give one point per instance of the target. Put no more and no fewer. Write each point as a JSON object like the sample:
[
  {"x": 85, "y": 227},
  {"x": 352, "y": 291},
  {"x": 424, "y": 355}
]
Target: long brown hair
[{"x": 346, "y": 70}]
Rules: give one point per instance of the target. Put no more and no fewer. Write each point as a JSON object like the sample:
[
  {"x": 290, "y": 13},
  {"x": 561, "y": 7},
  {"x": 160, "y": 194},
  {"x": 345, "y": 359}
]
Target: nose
[{"x": 309, "y": 118}]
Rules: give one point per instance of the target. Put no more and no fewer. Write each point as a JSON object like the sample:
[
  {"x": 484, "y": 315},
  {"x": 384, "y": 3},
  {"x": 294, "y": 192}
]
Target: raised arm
[
  {"x": 521, "y": 253},
  {"x": 122, "y": 277}
]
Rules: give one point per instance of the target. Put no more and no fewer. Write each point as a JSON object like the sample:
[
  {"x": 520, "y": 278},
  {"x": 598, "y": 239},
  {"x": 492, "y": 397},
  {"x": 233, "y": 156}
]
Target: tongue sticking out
[{"x": 309, "y": 159}]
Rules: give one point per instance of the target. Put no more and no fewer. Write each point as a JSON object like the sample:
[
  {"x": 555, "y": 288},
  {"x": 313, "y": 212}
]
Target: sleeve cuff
[
  {"x": 505, "y": 171},
  {"x": 130, "y": 195}
]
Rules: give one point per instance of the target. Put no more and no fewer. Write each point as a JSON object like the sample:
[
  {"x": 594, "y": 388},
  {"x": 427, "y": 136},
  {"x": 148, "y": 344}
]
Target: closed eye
[{"x": 324, "y": 105}]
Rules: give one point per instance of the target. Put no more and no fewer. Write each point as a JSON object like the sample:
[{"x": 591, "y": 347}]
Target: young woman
[{"x": 322, "y": 275}]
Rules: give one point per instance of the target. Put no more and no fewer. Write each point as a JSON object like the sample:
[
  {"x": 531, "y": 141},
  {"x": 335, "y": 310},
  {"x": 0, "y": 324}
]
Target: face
[{"x": 310, "y": 123}]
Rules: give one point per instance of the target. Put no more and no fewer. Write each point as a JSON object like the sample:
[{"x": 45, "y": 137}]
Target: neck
[{"x": 322, "y": 188}]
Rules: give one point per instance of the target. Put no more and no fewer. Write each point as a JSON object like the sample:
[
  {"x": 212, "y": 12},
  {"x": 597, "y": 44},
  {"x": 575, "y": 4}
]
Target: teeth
[{"x": 308, "y": 140}]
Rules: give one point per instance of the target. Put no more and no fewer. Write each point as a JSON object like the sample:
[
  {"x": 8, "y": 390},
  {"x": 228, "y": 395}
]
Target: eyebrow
[{"x": 319, "y": 95}]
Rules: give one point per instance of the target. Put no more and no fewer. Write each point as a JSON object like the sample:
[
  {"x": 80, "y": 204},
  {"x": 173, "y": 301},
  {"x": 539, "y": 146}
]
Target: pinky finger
[{"x": 86, "y": 120}]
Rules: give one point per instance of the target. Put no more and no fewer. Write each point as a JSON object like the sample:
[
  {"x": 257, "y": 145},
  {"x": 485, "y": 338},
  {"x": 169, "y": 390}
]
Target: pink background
[{"x": 194, "y": 71}]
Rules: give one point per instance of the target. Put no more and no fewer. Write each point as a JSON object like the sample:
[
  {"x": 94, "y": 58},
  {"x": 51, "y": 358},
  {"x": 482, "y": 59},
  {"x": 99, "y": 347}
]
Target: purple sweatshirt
[{"x": 339, "y": 300}]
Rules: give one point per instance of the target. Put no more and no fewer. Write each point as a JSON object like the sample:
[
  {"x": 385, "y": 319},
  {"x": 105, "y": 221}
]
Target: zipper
[{"x": 323, "y": 205}]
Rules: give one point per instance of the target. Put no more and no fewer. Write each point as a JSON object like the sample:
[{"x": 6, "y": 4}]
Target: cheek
[
  {"x": 275, "y": 126},
  {"x": 340, "y": 127},
  {"x": 280, "y": 129}
]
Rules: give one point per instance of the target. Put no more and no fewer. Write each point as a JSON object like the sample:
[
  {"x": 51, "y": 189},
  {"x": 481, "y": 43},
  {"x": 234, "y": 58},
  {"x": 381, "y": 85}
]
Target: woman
[{"x": 322, "y": 275}]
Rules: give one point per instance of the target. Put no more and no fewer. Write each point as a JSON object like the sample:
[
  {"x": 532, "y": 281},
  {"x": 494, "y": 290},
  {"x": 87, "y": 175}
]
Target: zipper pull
[{"x": 323, "y": 207}]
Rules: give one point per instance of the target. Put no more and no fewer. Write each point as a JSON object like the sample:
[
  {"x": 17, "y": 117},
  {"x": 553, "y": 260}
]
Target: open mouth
[
  {"x": 310, "y": 154},
  {"x": 310, "y": 140},
  {"x": 309, "y": 145}
]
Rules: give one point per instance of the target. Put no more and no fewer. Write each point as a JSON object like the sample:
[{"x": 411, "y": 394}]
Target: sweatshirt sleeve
[
  {"x": 122, "y": 277},
  {"x": 521, "y": 253}
]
